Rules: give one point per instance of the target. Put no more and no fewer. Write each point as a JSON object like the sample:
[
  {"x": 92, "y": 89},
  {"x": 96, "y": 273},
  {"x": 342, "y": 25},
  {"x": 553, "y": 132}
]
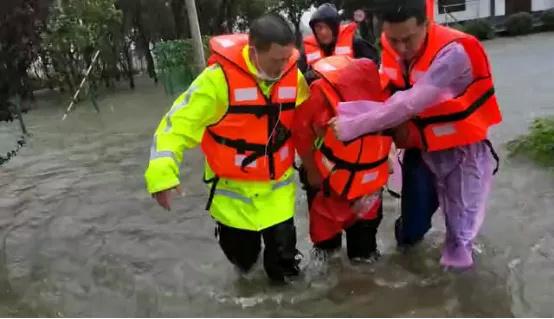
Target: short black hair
[
  {"x": 268, "y": 29},
  {"x": 397, "y": 11}
]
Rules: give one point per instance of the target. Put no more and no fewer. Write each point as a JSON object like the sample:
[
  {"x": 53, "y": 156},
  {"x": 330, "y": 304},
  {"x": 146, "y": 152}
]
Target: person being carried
[
  {"x": 343, "y": 180},
  {"x": 240, "y": 110},
  {"x": 444, "y": 105}
]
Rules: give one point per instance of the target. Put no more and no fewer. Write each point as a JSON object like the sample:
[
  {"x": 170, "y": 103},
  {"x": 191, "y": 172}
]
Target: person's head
[
  {"x": 271, "y": 42},
  {"x": 325, "y": 23},
  {"x": 405, "y": 26},
  {"x": 360, "y": 73}
]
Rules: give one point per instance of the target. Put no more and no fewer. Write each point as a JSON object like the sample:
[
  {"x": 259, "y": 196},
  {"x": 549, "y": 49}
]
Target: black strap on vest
[
  {"x": 494, "y": 155},
  {"x": 260, "y": 110},
  {"x": 353, "y": 168},
  {"x": 276, "y": 130},
  {"x": 282, "y": 135},
  {"x": 421, "y": 123},
  {"x": 214, "y": 180},
  {"x": 390, "y": 191},
  {"x": 458, "y": 116}
]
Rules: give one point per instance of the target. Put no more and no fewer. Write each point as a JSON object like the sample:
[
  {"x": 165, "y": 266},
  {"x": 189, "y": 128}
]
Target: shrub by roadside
[
  {"x": 519, "y": 23},
  {"x": 482, "y": 29},
  {"x": 547, "y": 19},
  {"x": 538, "y": 143}
]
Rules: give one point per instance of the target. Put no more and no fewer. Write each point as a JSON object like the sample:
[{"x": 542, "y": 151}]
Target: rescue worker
[
  {"x": 445, "y": 98},
  {"x": 240, "y": 110},
  {"x": 331, "y": 38},
  {"x": 344, "y": 179},
  {"x": 416, "y": 184}
]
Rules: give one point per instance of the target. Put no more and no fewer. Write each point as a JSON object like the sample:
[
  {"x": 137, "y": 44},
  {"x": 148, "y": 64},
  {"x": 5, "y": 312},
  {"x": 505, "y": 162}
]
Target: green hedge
[
  {"x": 547, "y": 19},
  {"x": 173, "y": 53},
  {"x": 519, "y": 23},
  {"x": 174, "y": 61},
  {"x": 482, "y": 29},
  {"x": 538, "y": 144}
]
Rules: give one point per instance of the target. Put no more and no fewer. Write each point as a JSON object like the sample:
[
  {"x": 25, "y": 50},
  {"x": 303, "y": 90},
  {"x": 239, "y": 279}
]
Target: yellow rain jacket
[{"x": 246, "y": 205}]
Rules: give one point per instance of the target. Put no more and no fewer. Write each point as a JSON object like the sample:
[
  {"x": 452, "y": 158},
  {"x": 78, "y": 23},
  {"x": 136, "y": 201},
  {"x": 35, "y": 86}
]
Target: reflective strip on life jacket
[
  {"x": 252, "y": 140},
  {"x": 462, "y": 120},
  {"x": 214, "y": 190}
]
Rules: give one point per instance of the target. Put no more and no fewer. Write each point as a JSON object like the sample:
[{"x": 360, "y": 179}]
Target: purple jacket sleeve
[{"x": 448, "y": 76}]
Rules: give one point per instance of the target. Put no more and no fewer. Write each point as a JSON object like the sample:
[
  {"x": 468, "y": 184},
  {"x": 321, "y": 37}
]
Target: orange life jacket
[
  {"x": 430, "y": 10},
  {"x": 354, "y": 168},
  {"x": 462, "y": 120},
  {"x": 343, "y": 46},
  {"x": 252, "y": 140}
]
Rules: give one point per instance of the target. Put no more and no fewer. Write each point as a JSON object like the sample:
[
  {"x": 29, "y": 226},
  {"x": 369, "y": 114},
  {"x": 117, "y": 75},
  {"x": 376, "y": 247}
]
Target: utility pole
[{"x": 195, "y": 34}]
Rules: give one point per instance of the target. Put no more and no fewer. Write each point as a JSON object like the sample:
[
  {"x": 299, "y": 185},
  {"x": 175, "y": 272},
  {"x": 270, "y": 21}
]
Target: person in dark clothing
[{"x": 330, "y": 38}]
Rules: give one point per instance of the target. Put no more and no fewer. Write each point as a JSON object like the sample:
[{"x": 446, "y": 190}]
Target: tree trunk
[
  {"x": 19, "y": 114},
  {"x": 177, "y": 7},
  {"x": 196, "y": 35},
  {"x": 148, "y": 54},
  {"x": 150, "y": 64},
  {"x": 68, "y": 77},
  {"x": 129, "y": 68},
  {"x": 73, "y": 75},
  {"x": 222, "y": 21}
]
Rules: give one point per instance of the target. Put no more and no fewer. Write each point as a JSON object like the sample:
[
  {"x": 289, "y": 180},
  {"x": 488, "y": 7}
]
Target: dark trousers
[
  {"x": 361, "y": 237},
  {"x": 242, "y": 248},
  {"x": 419, "y": 199}
]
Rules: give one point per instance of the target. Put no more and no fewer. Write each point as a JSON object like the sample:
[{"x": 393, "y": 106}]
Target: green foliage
[
  {"x": 75, "y": 31},
  {"x": 293, "y": 9},
  {"x": 176, "y": 53},
  {"x": 82, "y": 24},
  {"x": 538, "y": 144},
  {"x": 20, "y": 25},
  {"x": 519, "y": 23},
  {"x": 173, "y": 53},
  {"x": 547, "y": 19},
  {"x": 458, "y": 26},
  {"x": 482, "y": 29},
  {"x": 174, "y": 61}
]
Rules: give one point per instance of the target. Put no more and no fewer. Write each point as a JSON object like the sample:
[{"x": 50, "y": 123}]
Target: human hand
[{"x": 164, "y": 197}]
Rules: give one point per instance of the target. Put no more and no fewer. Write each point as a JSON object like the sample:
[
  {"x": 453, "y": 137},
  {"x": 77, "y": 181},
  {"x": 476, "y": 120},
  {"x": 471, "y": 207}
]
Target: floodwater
[{"x": 79, "y": 236}]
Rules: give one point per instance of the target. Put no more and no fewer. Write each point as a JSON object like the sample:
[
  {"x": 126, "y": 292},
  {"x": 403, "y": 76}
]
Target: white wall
[
  {"x": 474, "y": 9},
  {"x": 500, "y": 7},
  {"x": 539, "y": 5}
]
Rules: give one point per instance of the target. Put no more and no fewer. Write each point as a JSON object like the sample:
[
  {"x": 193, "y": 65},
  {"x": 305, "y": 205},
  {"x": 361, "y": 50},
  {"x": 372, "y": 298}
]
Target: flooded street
[{"x": 80, "y": 236}]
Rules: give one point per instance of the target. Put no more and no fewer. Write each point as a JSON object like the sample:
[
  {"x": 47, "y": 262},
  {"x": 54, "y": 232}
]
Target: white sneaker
[{"x": 373, "y": 257}]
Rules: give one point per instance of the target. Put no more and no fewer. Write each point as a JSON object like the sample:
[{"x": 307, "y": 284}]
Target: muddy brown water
[{"x": 80, "y": 236}]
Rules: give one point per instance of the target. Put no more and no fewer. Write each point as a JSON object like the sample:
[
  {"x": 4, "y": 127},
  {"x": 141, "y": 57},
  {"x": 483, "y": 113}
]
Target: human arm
[
  {"x": 182, "y": 128},
  {"x": 309, "y": 123},
  {"x": 448, "y": 76}
]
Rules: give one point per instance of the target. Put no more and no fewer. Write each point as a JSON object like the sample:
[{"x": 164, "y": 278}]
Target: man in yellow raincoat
[{"x": 240, "y": 111}]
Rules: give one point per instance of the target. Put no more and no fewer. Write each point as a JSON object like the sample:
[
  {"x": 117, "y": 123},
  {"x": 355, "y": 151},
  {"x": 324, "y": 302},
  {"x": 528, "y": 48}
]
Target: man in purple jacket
[{"x": 443, "y": 86}]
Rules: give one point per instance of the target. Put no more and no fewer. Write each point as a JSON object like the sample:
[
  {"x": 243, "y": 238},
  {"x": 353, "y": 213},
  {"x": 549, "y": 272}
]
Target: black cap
[{"x": 326, "y": 13}]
